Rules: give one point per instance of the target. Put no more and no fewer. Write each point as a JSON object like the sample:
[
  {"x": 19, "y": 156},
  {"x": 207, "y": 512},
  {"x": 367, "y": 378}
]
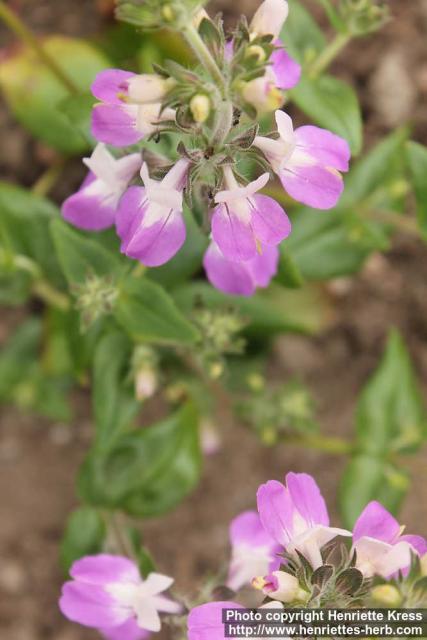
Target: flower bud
[
  {"x": 270, "y": 18},
  {"x": 263, "y": 94},
  {"x": 148, "y": 87},
  {"x": 209, "y": 438},
  {"x": 387, "y": 595},
  {"x": 256, "y": 51},
  {"x": 168, "y": 14},
  {"x": 281, "y": 586},
  {"x": 200, "y": 107},
  {"x": 145, "y": 372}
]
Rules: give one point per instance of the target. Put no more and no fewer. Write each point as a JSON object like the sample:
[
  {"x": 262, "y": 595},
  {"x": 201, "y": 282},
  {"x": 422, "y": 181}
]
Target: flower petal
[
  {"x": 91, "y": 207},
  {"x": 104, "y": 569},
  {"x": 264, "y": 266},
  {"x": 109, "y": 83},
  {"x": 247, "y": 528},
  {"x": 307, "y": 498},
  {"x": 233, "y": 232},
  {"x": 150, "y": 233},
  {"x": 90, "y": 605},
  {"x": 233, "y": 278},
  {"x": 286, "y": 70},
  {"x": 205, "y": 622},
  {"x": 376, "y": 522},
  {"x": 324, "y": 147},
  {"x": 312, "y": 184},
  {"x": 375, "y": 557},
  {"x": 276, "y": 511},
  {"x": 418, "y": 543},
  {"x": 270, "y": 18},
  {"x": 116, "y": 124},
  {"x": 269, "y": 221},
  {"x": 156, "y": 583}
]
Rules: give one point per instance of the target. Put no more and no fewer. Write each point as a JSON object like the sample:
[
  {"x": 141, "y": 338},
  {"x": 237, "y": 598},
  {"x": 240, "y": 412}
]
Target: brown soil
[{"x": 39, "y": 460}]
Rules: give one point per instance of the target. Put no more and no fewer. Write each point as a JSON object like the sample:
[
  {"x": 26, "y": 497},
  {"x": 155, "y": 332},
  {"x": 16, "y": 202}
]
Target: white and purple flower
[
  {"x": 244, "y": 220},
  {"x": 253, "y": 550},
  {"x": 108, "y": 593},
  {"x": 241, "y": 278},
  {"x": 150, "y": 221},
  {"x": 94, "y": 206},
  {"x": 308, "y": 162},
  {"x": 381, "y": 547},
  {"x": 129, "y": 108},
  {"x": 296, "y": 517},
  {"x": 269, "y": 20}
]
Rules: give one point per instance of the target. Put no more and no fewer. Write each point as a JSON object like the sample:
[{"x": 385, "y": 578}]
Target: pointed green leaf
[
  {"x": 417, "y": 161},
  {"x": 83, "y": 536}
]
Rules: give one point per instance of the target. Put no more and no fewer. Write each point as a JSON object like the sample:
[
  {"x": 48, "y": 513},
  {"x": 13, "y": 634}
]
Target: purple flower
[
  {"x": 286, "y": 71},
  {"x": 380, "y": 545},
  {"x": 296, "y": 517},
  {"x": 149, "y": 220},
  {"x": 94, "y": 206},
  {"x": 307, "y": 161},
  {"x": 205, "y": 621},
  {"x": 108, "y": 593},
  {"x": 253, "y": 550},
  {"x": 243, "y": 221},
  {"x": 281, "y": 586},
  {"x": 240, "y": 278},
  {"x": 129, "y": 108}
]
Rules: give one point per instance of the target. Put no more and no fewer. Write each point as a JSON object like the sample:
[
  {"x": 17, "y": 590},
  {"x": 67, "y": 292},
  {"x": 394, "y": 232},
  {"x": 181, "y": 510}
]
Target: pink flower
[
  {"x": 296, "y": 517},
  {"x": 254, "y": 551},
  {"x": 108, "y": 593},
  {"x": 307, "y": 161},
  {"x": 240, "y": 278},
  {"x": 129, "y": 108},
  {"x": 94, "y": 206},
  {"x": 243, "y": 221},
  {"x": 381, "y": 547},
  {"x": 149, "y": 220}
]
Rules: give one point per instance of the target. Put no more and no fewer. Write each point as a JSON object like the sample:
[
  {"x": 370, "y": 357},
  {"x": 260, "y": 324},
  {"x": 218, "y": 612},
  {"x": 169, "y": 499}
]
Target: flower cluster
[
  {"x": 213, "y": 110},
  {"x": 286, "y": 552}
]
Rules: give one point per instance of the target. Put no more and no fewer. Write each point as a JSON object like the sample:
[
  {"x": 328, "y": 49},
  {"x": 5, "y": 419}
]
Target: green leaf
[
  {"x": 20, "y": 351},
  {"x": 114, "y": 403},
  {"x": 332, "y": 104},
  {"x": 24, "y": 220},
  {"x": 288, "y": 274},
  {"x": 377, "y": 173},
  {"x": 78, "y": 110},
  {"x": 268, "y": 312},
  {"x": 148, "y": 313},
  {"x": 416, "y": 155},
  {"x": 149, "y": 471},
  {"x": 80, "y": 256},
  {"x": 301, "y": 35},
  {"x": 84, "y": 535},
  {"x": 391, "y": 415},
  {"x": 369, "y": 478},
  {"x": 35, "y": 95}
]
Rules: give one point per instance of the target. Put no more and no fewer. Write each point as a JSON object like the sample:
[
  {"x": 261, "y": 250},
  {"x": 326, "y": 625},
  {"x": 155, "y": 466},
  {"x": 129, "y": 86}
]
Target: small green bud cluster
[
  {"x": 363, "y": 16},
  {"x": 94, "y": 298}
]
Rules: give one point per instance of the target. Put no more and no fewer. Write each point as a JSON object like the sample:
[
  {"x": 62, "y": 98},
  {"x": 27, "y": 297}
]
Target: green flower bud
[{"x": 200, "y": 107}]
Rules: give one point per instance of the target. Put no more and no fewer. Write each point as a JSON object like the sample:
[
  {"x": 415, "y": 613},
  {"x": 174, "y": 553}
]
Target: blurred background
[{"x": 39, "y": 457}]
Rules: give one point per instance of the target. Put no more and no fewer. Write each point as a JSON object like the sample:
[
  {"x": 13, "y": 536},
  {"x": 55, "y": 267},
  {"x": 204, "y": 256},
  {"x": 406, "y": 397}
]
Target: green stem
[
  {"x": 331, "y": 445},
  {"x": 205, "y": 56},
  {"x": 51, "y": 296},
  {"x": 116, "y": 525},
  {"x": 47, "y": 180},
  {"x": 223, "y": 123},
  {"x": 15, "y": 24},
  {"x": 329, "y": 54}
]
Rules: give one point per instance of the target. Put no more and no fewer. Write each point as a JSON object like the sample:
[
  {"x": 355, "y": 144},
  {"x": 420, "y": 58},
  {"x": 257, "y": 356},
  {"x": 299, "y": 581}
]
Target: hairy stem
[
  {"x": 15, "y": 24},
  {"x": 329, "y": 54},
  {"x": 223, "y": 123},
  {"x": 204, "y": 55}
]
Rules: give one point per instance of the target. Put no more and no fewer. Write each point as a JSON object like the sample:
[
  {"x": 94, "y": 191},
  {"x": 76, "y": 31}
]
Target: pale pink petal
[
  {"x": 116, "y": 124},
  {"x": 286, "y": 70},
  {"x": 129, "y": 630},
  {"x": 324, "y": 147},
  {"x": 307, "y": 498},
  {"x": 376, "y": 522},
  {"x": 90, "y": 605},
  {"x": 418, "y": 543},
  {"x": 269, "y": 221},
  {"x": 205, "y": 622},
  {"x": 233, "y": 233},
  {"x": 90, "y": 208},
  {"x": 109, "y": 84},
  {"x": 104, "y": 568},
  {"x": 312, "y": 184},
  {"x": 276, "y": 511}
]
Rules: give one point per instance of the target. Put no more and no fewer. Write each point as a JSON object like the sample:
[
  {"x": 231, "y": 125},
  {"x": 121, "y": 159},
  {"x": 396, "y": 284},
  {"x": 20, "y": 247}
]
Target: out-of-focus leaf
[
  {"x": 148, "y": 313},
  {"x": 369, "y": 478},
  {"x": 268, "y": 312},
  {"x": 34, "y": 94},
  {"x": 149, "y": 471},
  {"x": 78, "y": 109},
  {"x": 17, "y": 355},
  {"x": 301, "y": 35},
  {"x": 114, "y": 403},
  {"x": 332, "y": 104},
  {"x": 391, "y": 415},
  {"x": 24, "y": 222},
  {"x": 417, "y": 161},
  {"x": 83, "y": 536},
  {"x": 288, "y": 274},
  {"x": 80, "y": 256}
]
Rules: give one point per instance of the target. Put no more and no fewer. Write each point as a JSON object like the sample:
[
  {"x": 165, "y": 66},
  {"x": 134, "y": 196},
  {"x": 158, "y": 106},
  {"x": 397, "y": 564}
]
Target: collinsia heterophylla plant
[{"x": 245, "y": 226}]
